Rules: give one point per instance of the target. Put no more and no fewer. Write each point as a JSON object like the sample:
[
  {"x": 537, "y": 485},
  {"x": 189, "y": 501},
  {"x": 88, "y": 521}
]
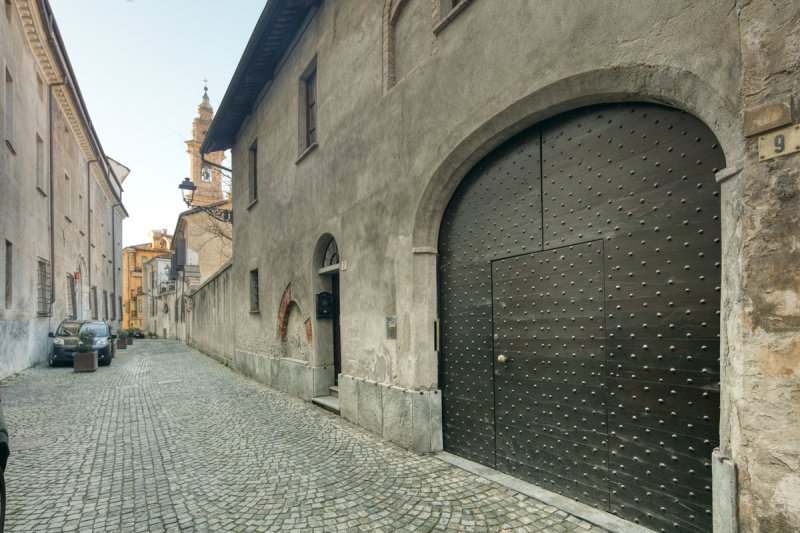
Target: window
[
  {"x": 253, "y": 171},
  {"x": 8, "y": 10},
  {"x": 67, "y": 198},
  {"x": 254, "y": 291},
  {"x": 311, "y": 108},
  {"x": 205, "y": 175},
  {"x": 113, "y": 307},
  {"x": 94, "y": 302},
  {"x": 105, "y": 304},
  {"x": 308, "y": 109},
  {"x": 42, "y": 287},
  {"x": 119, "y": 305},
  {"x": 9, "y": 274},
  {"x": 41, "y": 180},
  {"x": 9, "y": 102},
  {"x": 448, "y": 11},
  {"x": 71, "y": 297}
]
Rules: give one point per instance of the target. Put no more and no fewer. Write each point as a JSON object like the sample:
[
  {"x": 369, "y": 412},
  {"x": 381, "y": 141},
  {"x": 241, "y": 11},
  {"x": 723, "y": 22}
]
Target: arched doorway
[
  {"x": 579, "y": 295},
  {"x": 326, "y": 264}
]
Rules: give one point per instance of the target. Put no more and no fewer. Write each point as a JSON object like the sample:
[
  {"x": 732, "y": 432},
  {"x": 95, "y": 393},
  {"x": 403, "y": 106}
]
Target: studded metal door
[
  {"x": 586, "y": 253},
  {"x": 550, "y": 376}
]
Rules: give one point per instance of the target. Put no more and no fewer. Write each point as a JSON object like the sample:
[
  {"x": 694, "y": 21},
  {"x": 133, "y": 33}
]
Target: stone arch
[{"x": 665, "y": 85}]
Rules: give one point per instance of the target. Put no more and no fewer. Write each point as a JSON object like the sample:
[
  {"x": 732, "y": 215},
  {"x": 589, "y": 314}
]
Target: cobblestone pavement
[{"x": 166, "y": 439}]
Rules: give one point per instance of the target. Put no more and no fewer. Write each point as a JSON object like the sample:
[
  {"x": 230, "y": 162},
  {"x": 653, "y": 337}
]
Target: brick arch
[
  {"x": 283, "y": 315},
  {"x": 283, "y": 312},
  {"x": 391, "y": 12}
]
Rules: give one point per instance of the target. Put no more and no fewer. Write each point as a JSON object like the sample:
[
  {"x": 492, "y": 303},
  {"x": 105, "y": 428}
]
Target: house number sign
[{"x": 779, "y": 142}]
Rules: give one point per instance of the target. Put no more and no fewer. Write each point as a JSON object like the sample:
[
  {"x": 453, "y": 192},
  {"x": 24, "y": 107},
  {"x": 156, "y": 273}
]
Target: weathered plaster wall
[
  {"x": 83, "y": 240},
  {"x": 209, "y": 318},
  {"x": 379, "y": 151},
  {"x": 761, "y": 314}
]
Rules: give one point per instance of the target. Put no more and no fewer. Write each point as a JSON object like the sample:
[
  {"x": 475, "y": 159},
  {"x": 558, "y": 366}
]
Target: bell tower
[{"x": 206, "y": 178}]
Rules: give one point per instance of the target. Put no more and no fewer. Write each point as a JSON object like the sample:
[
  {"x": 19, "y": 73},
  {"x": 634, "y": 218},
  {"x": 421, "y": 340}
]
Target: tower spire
[{"x": 205, "y": 104}]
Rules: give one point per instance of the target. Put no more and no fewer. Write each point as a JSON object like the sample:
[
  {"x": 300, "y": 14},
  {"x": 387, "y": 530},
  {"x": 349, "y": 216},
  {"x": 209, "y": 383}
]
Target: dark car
[
  {"x": 138, "y": 334},
  {"x": 4, "y": 452},
  {"x": 65, "y": 341}
]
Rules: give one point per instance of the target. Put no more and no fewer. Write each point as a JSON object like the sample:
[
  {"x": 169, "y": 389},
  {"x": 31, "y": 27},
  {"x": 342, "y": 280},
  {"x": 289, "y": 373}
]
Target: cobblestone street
[{"x": 167, "y": 439}]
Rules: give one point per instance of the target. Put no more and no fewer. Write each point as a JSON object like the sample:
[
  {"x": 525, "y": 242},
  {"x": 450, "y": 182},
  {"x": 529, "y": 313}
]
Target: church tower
[{"x": 207, "y": 179}]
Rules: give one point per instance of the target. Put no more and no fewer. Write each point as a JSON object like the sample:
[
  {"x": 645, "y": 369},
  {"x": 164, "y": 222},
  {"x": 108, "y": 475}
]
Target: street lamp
[{"x": 223, "y": 215}]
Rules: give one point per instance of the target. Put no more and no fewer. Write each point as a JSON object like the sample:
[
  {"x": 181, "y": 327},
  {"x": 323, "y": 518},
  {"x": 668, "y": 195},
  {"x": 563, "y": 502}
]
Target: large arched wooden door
[{"x": 579, "y": 296}]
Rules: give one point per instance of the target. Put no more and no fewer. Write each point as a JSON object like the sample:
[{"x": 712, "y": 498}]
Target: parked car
[
  {"x": 138, "y": 334},
  {"x": 65, "y": 341},
  {"x": 4, "y": 453}
]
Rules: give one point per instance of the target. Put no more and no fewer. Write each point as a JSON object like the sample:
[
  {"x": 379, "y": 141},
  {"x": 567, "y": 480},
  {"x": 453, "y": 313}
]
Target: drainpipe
[
  {"x": 114, "y": 259},
  {"x": 52, "y": 191},
  {"x": 92, "y": 301}
]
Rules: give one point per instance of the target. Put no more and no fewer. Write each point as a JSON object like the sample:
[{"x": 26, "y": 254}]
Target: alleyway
[{"x": 166, "y": 439}]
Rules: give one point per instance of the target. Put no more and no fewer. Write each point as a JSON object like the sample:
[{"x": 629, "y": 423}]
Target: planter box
[
  {"x": 122, "y": 344},
  {"x": 85, "y": 362},
  {"x": 130, "y": 341}
]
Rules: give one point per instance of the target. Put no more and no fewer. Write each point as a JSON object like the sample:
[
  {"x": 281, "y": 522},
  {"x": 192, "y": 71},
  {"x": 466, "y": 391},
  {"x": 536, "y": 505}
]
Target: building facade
[
  {"x": 557, "y": 240},
  {"x": 158, "y": 288},
  {"x": 60, "y": 195},
  {"x": 133, "y": 261},
  {"x": 202, "y": 242}
]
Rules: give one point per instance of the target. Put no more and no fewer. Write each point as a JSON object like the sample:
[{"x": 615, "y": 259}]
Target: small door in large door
[{"x": 550, "y": 377}]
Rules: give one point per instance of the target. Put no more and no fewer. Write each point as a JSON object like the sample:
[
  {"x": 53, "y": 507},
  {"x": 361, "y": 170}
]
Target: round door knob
[{"x": 502, "y": 359}]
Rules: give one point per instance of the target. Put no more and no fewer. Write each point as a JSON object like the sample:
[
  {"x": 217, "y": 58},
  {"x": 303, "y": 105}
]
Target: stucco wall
[
  {"x": 87, "y": 230},
  {"x": 209, "y": 320},
  {"x": 478, "y": 82}
]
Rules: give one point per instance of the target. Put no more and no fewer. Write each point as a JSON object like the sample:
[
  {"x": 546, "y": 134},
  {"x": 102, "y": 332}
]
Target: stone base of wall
[
  {"x": 409, "y": 418},
  {"x": 291, "y": 376}
]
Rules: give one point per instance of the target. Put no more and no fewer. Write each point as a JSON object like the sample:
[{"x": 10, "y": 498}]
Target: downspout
[
  {"x": 92, "y": 298},
  {"x": 52, "y": 191},
  {"x": 114, "y": 260}
]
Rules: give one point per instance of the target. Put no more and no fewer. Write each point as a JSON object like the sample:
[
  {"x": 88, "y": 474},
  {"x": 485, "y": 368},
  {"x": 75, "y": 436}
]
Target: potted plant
[
  {"x": 122, "y": 341},
  {"x": 129, "y": 334},
  {"x": 85, "y": 357}
]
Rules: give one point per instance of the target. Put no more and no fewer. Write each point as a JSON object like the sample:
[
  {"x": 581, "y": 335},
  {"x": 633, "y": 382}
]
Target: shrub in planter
[
  {"x": 129, "y": 335},
  {"x": 122, "y": 341},
  {"x": 85, "y": 357}
]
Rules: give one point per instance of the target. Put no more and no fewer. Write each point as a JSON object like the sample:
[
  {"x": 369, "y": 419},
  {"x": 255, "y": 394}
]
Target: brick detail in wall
[
  {"x": 283, "y": 312},
  {"x": 309, "y": 333}
]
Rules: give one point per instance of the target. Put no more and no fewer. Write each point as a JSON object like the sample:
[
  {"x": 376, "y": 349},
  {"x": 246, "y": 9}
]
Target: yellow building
[{"x": 133, "y": 258}]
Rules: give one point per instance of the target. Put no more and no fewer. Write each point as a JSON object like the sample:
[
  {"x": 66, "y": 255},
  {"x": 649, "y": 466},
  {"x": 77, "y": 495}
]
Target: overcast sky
[{"x": 140, "y": 65}]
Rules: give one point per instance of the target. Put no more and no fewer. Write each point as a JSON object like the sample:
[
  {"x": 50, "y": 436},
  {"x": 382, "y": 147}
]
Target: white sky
[{"x": 140, "y": 65}]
